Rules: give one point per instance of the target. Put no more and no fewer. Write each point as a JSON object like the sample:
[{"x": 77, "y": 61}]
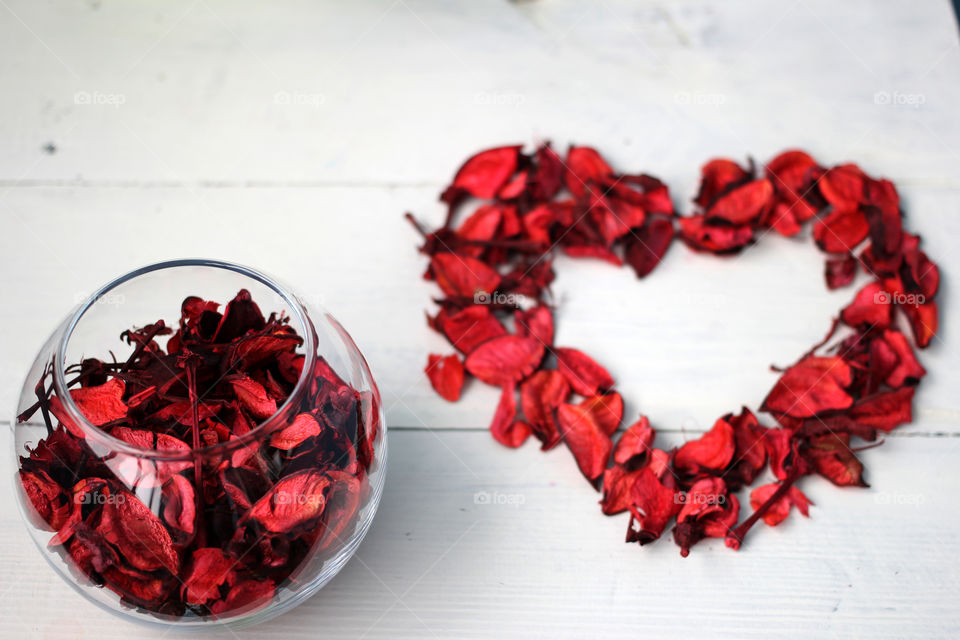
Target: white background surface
[{"x": 292, "y": 136}]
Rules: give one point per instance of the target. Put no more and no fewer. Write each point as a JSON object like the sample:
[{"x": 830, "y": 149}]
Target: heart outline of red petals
[{"x": 496, "y": 268}]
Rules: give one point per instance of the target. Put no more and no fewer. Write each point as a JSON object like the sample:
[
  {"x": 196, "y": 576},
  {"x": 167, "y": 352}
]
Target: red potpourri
[
  {"x": 226, "y": 527},
  {"x": 495, "y": 270}
]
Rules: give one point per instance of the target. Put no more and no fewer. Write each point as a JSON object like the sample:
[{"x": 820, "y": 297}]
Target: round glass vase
[{"x": 172, "y": 496}]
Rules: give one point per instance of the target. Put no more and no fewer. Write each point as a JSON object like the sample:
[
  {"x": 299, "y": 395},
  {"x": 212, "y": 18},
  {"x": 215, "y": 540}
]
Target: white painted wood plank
[
  {"x": 874, "y": 563},
  {"x": 332, "y": 92},
  {"x": 688, "y": 344}
]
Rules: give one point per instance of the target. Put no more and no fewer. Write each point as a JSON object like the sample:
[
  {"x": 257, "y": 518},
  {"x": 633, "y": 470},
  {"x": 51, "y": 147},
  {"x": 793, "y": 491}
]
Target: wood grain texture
[{"x": 292, "y": 136}]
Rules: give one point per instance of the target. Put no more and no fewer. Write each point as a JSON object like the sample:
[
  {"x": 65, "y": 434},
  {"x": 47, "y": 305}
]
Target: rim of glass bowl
[{"x": 115, "y": 444}]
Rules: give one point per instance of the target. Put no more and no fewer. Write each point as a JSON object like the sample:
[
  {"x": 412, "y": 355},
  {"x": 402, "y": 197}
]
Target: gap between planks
[{"x": 910, "y": 434}]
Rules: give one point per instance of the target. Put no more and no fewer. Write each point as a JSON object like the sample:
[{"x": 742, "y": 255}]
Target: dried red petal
[
  {"x": 841, "y": 231},
  {"x": 540, "y": 395},
  {"x": 179, "y": 505},
  {"x": 138, "y": 535},
  {"x": 582, "y": 372},
  {"x": 751, "y": 454},
  {"x": 635, "y": 444},
  {"x": 884, "y": 411},
  {"x": 484, "y": 173},
  {"x": 505, "y": 359},
  {"x": 908, "y": 369},
  {"x": 584, "y": 167},
  {"x": 812, "y": 385},
  {"x": 647, "y": 245},
  {"x": 840, "y": 271},
  {"x": 294, "y": 503},
  {"x": 505, "y": 428},
  {"x": 463, "y": 276},
  {"x": 245, "y": 597},
  {"x": 708, "y": 512},
  {"x": 843, "y": 186},
  {"x": 781, "y": 508},
  {"x": 482, "y": 225},
  {"x": 607, "y": 410},
  {"x": 871, "y": 308},
  {"x": 471, "y": 327},
  {"x": 833, "y": 459},
  {"x": 294, "y": 434},
  {"x": 710, "y": 452},
  {"x": 923, "y": 321},
  {"x": 792, "y": 173},
  {"x": 586, "y": 439},
  {"x": 653, "y": 504},
  {"x": 99, "y": 405},
  {"x": 209, "y": 569},
  {"x": 253, "y": 397},
  {"x": 701, "y": 235},
  {"x": 49, "y": 500},
  {"x": 716, "y": 177},
  {"x": 617, "y": 488},
  {"x": 446, "y": 375},
  {"x": 536, "y": 323},
  {"x": 743, "y": 204}
]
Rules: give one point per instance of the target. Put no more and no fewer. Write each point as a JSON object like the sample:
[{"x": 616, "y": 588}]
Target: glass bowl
[{"x": 215, "y": 468}]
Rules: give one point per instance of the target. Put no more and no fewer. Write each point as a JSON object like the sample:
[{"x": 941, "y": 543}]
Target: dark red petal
[
  {"x": 812, "y": 385},
  {"x": 840, "y": 271},
  {"x": 647, "y": 245},
  {"x": 179, "y": 505},
  {"x": 582, "y": 372},
  {"x": 505, "y": 360},
  {"x": 586, "y": 439},
  {"x": 446, "y": 375}
]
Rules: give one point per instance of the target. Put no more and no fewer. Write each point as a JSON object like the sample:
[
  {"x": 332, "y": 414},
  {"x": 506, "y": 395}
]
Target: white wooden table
[{"x": 292, "y": 136}]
